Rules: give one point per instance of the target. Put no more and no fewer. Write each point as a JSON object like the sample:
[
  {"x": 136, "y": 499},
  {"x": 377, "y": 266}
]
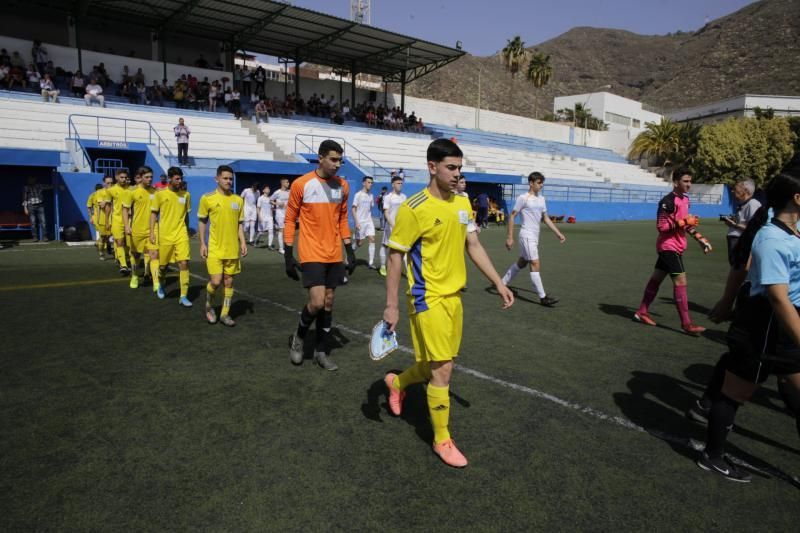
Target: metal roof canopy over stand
[{"x": 271, "y": 28}]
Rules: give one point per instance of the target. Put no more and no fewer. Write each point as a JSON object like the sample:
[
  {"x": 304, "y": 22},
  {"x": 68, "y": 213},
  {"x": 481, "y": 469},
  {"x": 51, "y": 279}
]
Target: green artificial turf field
[{"x": 123, "y": 412}]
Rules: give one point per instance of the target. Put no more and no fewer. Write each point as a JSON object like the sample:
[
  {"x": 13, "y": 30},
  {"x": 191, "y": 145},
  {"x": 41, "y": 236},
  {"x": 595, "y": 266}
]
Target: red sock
[
  {"x": 682, "y": 303},
  {"x": 649, "y": 295}
]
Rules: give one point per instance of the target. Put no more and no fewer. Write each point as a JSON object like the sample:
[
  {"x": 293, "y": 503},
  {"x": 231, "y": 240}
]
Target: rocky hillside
[{"x": 754, "y": 50}]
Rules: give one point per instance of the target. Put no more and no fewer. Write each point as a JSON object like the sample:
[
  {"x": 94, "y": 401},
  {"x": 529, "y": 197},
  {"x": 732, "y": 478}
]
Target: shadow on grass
[
  {"x": 415, "y": 407},
  {"x": 656, "y": 402},
  {"x": 517, "y": 296},
  {"x": 627, "y": 312}
]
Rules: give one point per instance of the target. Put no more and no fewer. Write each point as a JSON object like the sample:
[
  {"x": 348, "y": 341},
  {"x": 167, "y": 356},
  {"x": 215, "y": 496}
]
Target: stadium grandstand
[{"x": 71, "y": 139}]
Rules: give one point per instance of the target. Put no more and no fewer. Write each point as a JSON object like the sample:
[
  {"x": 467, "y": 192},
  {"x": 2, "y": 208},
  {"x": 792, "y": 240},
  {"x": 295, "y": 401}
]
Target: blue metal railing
[
  {"x": 108, "y": 166},
  {"x": 150, "y": 137},
  {"x": 359, "y": 158},
  {"x": 577, "y": 193}
]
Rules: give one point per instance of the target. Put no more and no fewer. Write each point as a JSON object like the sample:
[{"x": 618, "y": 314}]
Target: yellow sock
[
  {"x": 415, "y": 374},
  {"x": 210, "y": 292},
  {"x": 154, "y": 271},
  {"x": 184, "y": 277},
  {"x": 226, "y": 303},
  {"x": 439, "y": 408},
  {"x": 121, "y": 256}
]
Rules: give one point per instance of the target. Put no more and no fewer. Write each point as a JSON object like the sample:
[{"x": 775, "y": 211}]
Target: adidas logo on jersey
[{"x": 437, "y": 222}]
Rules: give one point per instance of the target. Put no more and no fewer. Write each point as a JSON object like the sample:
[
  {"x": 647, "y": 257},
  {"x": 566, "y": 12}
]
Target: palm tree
[
  {"x": 540, "y": 71},
  {"x": 660, "y": 142},
  {"x": 514, "y": 55}
]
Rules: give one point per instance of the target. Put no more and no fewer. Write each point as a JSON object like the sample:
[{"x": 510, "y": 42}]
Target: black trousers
[{"x": 183, "y": 153}]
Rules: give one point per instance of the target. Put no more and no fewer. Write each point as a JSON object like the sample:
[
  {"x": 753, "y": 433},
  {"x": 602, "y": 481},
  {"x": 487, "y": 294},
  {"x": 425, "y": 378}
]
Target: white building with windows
[
  {"x": 739, "y": 107},
  {"x": 618, "y": 112}
]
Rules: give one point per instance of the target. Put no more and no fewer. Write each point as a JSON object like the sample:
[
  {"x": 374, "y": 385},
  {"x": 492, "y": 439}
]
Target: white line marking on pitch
[{"x": 599, "y": 415}]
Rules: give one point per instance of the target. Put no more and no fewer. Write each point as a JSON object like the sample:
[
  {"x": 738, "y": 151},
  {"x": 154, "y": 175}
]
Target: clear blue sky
[{"x": 483, "y": 27}]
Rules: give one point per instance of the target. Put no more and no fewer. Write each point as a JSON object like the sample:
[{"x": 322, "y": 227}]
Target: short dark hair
[
  {"x": 121, "y": 171},
  {"x": 681, "y": 172},
  {"x": 328, "y": 146},
  {"x": 224, "y": 168},
  {"x": 98, "y": 186},
  {"x": 396, "y": 178},
  {"x": 144, "y": 170},
  {"x": 535, "y": 176},
  {"x": 439, "y": 149},
  {"x": 174, "y": 171},
  {"x": 365, "y": 178}
]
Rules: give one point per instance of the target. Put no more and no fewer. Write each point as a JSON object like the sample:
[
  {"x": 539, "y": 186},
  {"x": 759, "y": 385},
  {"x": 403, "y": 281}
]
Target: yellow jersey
[
  {"x": 433, "y": 233},
  {"x": 172, "y": 208},
  {"x": 99, "y": 199},
  {"x": 139, "y": 199},
  {"x": 224, "y": 213},
  {"x": 90, "y": 205},
  {"x": 117, "y": 195}
]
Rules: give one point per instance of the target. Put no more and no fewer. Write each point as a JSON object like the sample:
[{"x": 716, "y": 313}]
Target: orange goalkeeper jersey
[{"x": 321, "y": 207}]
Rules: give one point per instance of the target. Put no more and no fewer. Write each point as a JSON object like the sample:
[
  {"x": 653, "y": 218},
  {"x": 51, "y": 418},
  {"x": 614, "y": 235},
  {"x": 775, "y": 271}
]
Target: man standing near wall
[
  {"x": 182, "y": 133},
  {"x": 33, "y": 205}
]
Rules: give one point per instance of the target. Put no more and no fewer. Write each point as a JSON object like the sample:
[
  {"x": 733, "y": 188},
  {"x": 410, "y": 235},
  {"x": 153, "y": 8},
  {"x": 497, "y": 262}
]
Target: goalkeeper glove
[
  {"x": 351, "y": 259},
  {"x": 292, "y": 266},
  {"x": 691, "y": 220}
]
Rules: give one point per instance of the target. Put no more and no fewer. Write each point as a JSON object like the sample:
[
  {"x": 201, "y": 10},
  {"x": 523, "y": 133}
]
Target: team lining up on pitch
[{"x": 427, "y": 234}]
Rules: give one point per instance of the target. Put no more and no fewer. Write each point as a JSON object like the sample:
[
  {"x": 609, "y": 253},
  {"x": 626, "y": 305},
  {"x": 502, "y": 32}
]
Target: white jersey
[
  {"x": 363, "y": 204},
  {"x": 391, "y": 203},
  {"x": 250, "y": 198},
  {"x": 281, "y": 199},
  {"x": 531, "y": 208},
  {"x": 264, "y": 207}
]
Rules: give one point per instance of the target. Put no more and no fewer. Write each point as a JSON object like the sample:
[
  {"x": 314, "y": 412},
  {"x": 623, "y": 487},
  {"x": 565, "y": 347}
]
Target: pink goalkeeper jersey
[{"x": 671, "y": 237}]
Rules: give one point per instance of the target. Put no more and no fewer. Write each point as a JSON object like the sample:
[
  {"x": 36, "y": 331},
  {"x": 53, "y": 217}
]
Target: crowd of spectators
[{"x": 245, "y": 94}]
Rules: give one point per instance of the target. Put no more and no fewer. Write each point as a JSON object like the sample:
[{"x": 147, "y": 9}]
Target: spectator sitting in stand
[
  {"x": 125, "y": 76},
  {"x": 191, "y": 99},
  {"x": 299, "y": 105},
  {"x": 94, "y": 93},
  {"x": 324, "y": 108},
  {"x": 139, "y": 77},
  {"x": 261, "y": 112},
  {"x": 288, "y": 107},
  {"x": 156, "y": 94},
  {"x": 33, "y": 77},
  {"x": 126, "y": 90},
  {"x": 313, "y": 105},
  {"x": 5, "y": 74},
  {"x": 16, "y": 76},
  {"x": 333, "y": 104},
  {"x": 141, "y": 93},
  {"x": 336, "y": 117},
  {"x": 17, "y": 61},
  {"x": 269, "y": 107},
  {"x": 372, "y": 118},
  {"x": 48, "y": 89},
  {"x": 179, "y": 94}
]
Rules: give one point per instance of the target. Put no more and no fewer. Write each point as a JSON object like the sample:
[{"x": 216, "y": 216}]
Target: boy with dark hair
[
  {"x": 532, "y": 210},
  {"x": 673, "y": 219},
  {"x": 433, "y": 227},
  {"x": 318, "y": 201},
  {"x": 137, "y": 223},
  {"x": 224, "y": 211},
  {"x": 168, "y": 209}
]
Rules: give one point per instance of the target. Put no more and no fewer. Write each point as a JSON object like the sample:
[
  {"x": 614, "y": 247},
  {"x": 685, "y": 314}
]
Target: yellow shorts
[
  {"x": 172, "y": 253},
  {"x": 118, "y": 232},
  {"x": 436, "y": 333},
  {"x": 140, "y": 243},
  {"x": 229, "y": 267},
  {"x": 101, "y": 230}
]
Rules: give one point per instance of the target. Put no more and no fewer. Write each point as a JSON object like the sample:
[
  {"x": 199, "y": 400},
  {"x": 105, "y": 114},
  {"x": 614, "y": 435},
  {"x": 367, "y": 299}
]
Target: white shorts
[
  {"x": 387, "y": 234},
  {"x": 265, "y": 224},
  {"x": 280, "y": 218},
  {"x": 529, "y": 248},
  {"x": 367, "y": 229},
  {"x": 250, "y": 214}
]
